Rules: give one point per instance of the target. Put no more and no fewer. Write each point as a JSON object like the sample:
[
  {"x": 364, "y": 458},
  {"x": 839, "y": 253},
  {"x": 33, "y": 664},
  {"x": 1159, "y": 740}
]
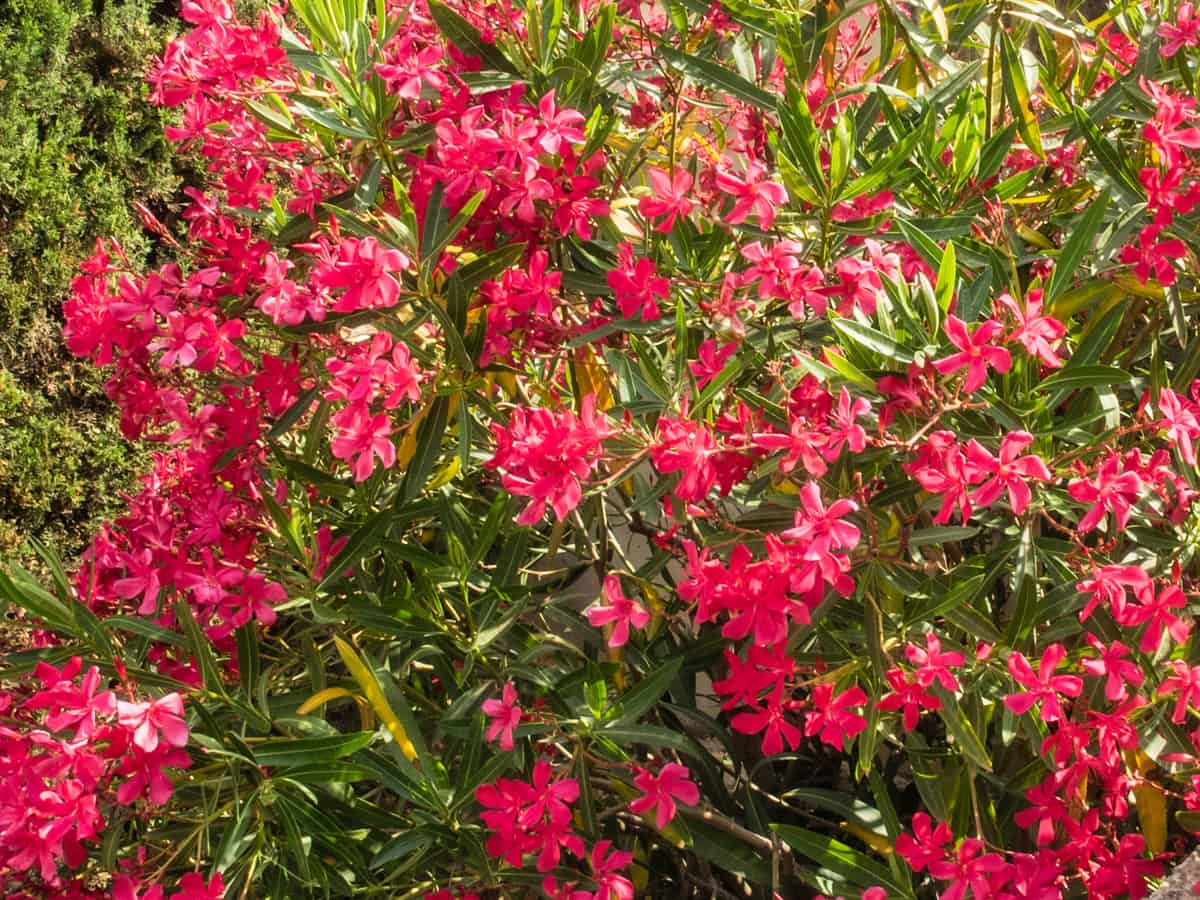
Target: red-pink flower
[
  {"x": 669, "y": 198},
  {"x": 1112, "y": 665},
  {"x": 560, "y": 126},
  {"x": 771, "y": 721},
  {"x": 754, "y": 194},
  {"x": 831, "y": 718},
  {"x": 1183, "y": 32},
  {"x": 636, "y": 283},
  {"x": 1039, "y": 334},
  {"x": 907, "y": 697},
  {"x": 545, "y": 455},
  {"x": 1110, "y": 491},
  {"x": 1010, "y": 471},
  {"x": 151, "y": 718},
  {"x": 610, "y": 884},
  {"x": 968, "y": 870},
  {"x": 977, "y": 353},
  {"x": 1180, "y": 422},
  {"x": 192, "y": 886},
  {"x": 366, "y": 272},
  {"x": 360, "y": 438},
  {"x": 1151, "y": 258},
  {"x": 933, "y": 665},
  {"x": 924, "y": 845},
  {"x": 1044, "y": 686},
  {"x": 505, "y": 715},
  {"x": 1184, "y": 682},
  {"x": 619, "y": 609},
  {"x": 660, "y": 792}
]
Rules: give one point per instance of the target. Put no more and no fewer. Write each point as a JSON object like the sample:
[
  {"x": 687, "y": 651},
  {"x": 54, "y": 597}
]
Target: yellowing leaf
[
  {"x": 370, "y": 686},
  {"x": 877, "y": 842},
  {"x": 1150, "y": 802},
  {"x": 445, "y": 474},
  {"x": 335, "y": 693},
  {"x": 591, "y": 374},
  {"x": 320, "y": 698},
  {"x": 408, "y": 446}
]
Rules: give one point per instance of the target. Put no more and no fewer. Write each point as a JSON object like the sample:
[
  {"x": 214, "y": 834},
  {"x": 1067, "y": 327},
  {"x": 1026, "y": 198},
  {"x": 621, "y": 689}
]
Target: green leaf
[
  {"x": 1017, "y": 91},
  {"x": 22, "y": 591},
  {"x": 639, "y": 699},
  {"x": 200, "y": 647},
  {"x": 963, "y": 732},
  {"x": 362, "y": 542},
  {"x": 846, "y": 864},
  {"x": 401, "y": 847},
  {"x": 308, "y": 751},
  {"x": 1112, "y": 161},
  {"x": 438, "y": 234},
  {"x": 801, "y": 141},
  {"x": 463, "y": 35},
  {"x": 650, "y": 735},
  {"x": 429, "y": 448},
  {"x": 1082, "y": 233},
  {"x": 947, "y": 278},
  {"x": 713, "y": 75},
  {"x": 1070, "y": 378},
  {"x": 875, "y": 341}
]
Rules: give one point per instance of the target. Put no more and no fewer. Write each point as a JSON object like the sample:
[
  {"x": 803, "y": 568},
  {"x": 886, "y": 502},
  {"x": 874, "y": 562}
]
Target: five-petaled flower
[
  {"x": 977, "y": 352},
  {"x": 505, "y": 715},
  {"x": 661, "y": 791}
]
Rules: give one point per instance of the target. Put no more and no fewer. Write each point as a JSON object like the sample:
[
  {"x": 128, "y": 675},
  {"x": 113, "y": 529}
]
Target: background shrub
[{"x": 79, "y": 143}]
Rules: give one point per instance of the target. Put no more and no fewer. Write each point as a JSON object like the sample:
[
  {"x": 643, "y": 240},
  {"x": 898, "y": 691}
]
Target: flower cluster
[{"x": 70, "y": 754}]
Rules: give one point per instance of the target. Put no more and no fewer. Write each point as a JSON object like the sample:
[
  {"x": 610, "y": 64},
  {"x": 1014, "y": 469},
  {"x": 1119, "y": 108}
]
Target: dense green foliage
[{"x": 79, "y": 144}]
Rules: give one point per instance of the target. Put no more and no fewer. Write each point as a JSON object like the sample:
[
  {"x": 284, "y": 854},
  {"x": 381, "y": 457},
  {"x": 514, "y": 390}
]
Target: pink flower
[
  {"x": 925, "y": 844},
  {"x": 561, "y": 126},
  {"x": 754, "y": 194},
  {"x": 505, "y": 715},
  {"x": 1010, "y": 472},
  {"x": 1114, "y": 667},
  {"x": 545, "y": 455},
  {"x": 776, "y": 729},
  {"x": 619, "y": 609},
  {"x": 968, "y": 870},
  {"x": 1044, "y": 687},
  {"x": 932, "y": 664},
  {"x": 148, "y": 719},
  {"x": 976, "y": 354},
  {"x": 831, "y": 718},
  {"x": 609, "y": 884},
  {"x": 710, "y": 360},
  {"x": 366, "y": 272},
  {"x": 361, "y": 437},
  {"x": 1180, "y": 422},
  {"x": 1037, "y": 333},
  {"x": 1151, "y": 258},
  {"x": 636, "y": 284},
  {"x": 1183, "y": 32},
  {"x": 1110, "y": 491},
  {"x": 669, "y": 198},
  {"x": 686, "y": 446},
  {"x": 1184, "y": 682},
  {"x": 193, "y": 887},
  {"x": 662, "y": 790},
  {"x": 908, "y": 697}
]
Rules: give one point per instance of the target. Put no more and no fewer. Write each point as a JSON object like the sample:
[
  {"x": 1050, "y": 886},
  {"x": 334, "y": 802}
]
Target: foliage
[
  {"x": 78, "y": 144},
  {"x": 692, "y": 450}
]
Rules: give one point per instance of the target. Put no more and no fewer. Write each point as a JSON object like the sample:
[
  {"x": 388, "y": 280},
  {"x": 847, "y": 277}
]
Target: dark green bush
[{"x": 79, "y": 144}]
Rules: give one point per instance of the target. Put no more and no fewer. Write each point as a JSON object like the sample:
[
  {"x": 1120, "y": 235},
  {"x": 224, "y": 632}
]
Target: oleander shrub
[{"x": 612, "y": 450}]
